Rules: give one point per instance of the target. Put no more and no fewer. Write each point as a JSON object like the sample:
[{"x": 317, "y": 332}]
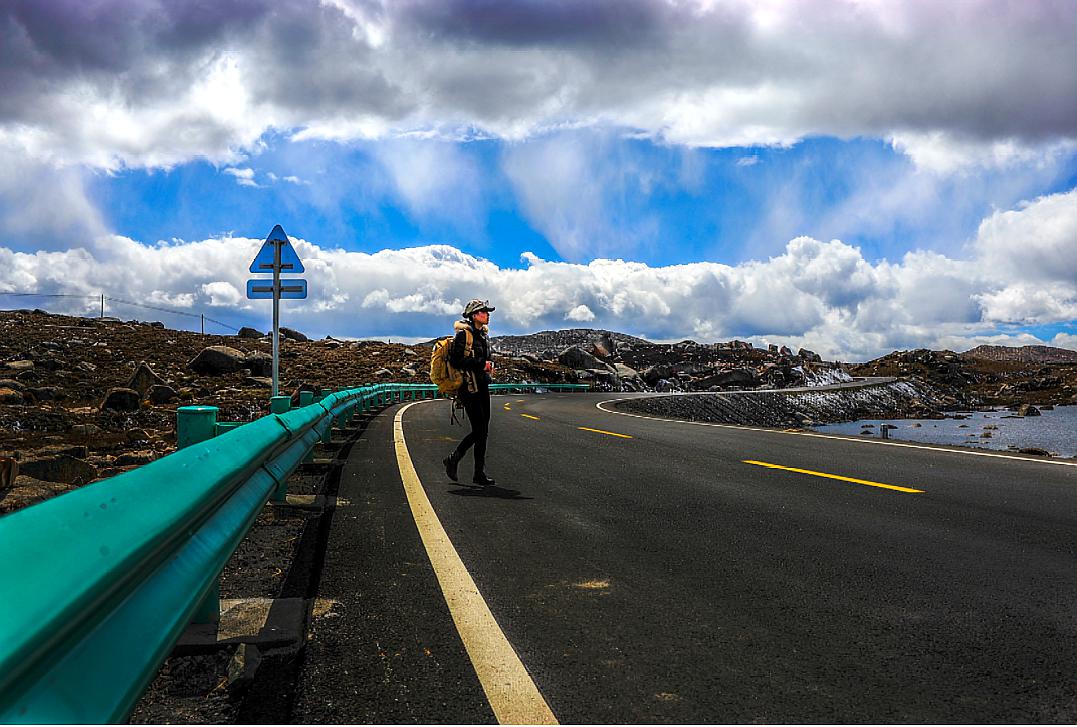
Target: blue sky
[{"x": 853, "y": 177}]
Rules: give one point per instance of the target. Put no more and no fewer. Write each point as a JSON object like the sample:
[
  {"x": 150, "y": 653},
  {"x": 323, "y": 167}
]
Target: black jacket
[{"x": 476, "y": 362}]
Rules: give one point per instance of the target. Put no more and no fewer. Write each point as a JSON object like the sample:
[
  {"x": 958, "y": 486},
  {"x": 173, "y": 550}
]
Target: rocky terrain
[
  {"x": 979, "y": 379},
  {"x": 612, "y": 361},
  {"x": 1024, "y": 354}
]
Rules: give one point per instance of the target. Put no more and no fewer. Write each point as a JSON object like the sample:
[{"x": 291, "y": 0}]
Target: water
[{"x": 1055, "y": 430}]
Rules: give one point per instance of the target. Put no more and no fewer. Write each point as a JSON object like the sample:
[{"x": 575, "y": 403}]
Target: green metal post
[
  {"x": 280, "y": 404},
  {"x": 306, "y": 398},
  {"x": 195, "y": 424},
  {"x": 223, "y": 427}
]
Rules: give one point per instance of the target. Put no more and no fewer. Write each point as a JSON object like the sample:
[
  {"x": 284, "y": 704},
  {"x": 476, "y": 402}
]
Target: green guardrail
[{"x": 101, "y": 582}]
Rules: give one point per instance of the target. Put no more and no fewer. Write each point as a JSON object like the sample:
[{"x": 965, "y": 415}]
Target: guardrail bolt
[{"x": 195, "y": 424}]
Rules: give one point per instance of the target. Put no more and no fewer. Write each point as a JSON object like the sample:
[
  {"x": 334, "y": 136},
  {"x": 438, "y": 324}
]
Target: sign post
[{"x": 277, "y": 256}]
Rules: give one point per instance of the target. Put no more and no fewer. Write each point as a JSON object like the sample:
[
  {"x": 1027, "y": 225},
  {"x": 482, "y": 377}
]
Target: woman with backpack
[{"x": 470, "y": 354}]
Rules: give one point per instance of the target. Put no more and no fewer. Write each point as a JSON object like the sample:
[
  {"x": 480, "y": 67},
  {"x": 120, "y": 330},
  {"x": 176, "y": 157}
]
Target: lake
[{"x": 1055, "y": 431}]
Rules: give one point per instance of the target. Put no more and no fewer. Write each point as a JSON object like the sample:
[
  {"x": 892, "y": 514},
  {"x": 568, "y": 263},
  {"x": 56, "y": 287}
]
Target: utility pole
[{"x": 102, "y": 305}]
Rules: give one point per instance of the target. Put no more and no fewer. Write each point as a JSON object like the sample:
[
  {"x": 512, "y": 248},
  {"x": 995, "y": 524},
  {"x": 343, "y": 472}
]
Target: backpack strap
[{"x": 470, "y": 376}]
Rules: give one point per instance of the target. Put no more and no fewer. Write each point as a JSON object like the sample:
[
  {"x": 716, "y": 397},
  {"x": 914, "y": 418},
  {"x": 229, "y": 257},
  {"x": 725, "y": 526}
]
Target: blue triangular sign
[{"x": 289, "y": 261}]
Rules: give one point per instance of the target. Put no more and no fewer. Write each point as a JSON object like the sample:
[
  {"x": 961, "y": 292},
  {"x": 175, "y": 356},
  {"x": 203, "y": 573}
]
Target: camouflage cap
[{"x": 475, "y": 306}]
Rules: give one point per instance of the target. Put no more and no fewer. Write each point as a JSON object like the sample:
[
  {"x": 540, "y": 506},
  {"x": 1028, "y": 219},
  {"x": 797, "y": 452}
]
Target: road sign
[
  {"x": 265, "y": 260},
  {"x": 290, "y": 289}
]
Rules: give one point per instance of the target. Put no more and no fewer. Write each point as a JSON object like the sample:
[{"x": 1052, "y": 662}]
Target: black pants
[{"x": 477, "y": 406}]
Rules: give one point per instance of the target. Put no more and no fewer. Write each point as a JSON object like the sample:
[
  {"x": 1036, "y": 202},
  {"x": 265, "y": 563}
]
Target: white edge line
[{"x": 823, "y": 436}]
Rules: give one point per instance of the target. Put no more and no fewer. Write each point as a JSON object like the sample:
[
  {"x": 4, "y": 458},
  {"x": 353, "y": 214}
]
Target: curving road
[{"x": 653, "y": 571}]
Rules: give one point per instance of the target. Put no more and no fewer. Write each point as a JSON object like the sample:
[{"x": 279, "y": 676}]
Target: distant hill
[
  {"x": 1024, "y": 354},
  {"x": 560, "y": 340}
]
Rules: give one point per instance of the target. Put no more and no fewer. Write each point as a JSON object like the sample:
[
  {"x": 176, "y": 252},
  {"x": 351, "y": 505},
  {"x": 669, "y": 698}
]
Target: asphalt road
[{"x": 658, "y": 576}]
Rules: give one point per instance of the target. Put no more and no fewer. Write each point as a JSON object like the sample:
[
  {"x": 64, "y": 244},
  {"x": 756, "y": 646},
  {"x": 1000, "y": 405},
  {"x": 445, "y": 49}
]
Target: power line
[{"x": 102, "y": 298}]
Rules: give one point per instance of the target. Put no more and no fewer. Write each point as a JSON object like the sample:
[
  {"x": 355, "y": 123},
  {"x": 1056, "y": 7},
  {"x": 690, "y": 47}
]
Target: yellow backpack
[{"x": 448, "y": 378}]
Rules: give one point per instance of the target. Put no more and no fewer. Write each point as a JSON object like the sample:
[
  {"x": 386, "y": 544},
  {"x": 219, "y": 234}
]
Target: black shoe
[
  {"x": 450, "y": 467},
  {"x": 482, "y": 479}
]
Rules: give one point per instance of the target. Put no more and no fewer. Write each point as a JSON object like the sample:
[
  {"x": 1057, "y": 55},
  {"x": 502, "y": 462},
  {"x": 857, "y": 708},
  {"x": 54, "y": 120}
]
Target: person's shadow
[{"x": 464, "y": 490}]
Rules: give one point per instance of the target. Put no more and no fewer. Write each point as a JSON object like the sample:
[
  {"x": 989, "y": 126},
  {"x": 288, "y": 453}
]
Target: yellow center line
[
  {"x": 507, "y": 407},
  {"x": 830, "y": 476},
  {"x": 513, "y": 696},
  {"x": 530, "y": 417},
  {"x": 603, "y": 431}
]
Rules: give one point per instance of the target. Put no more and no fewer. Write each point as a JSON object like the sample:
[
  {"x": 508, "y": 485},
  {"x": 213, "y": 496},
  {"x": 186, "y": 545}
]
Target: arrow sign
[
  {"x": 264, "y": 262},
  {"x": 290, "y": 289}
]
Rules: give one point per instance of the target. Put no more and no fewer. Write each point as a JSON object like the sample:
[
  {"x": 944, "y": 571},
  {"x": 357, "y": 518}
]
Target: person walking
[{"x": 470, "y": 354}]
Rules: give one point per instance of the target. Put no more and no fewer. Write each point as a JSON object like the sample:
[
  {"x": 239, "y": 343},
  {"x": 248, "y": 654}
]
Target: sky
[{"x": 850, "y": 176}]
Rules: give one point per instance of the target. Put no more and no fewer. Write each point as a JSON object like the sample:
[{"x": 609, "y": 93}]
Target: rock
[
  {"x": 134, "y": 458},
  {"x": 1027, "y": 410},
  {"x": 48, "y": 393},
  {"x": 10, "y": 396},
  {"x": 809, "y": 355},
  {"x": 85, "y": 366},
  {"x": 144, "y": 378},
  {"x": 11, "y": 384},
  {"x": 740, "y": 378},
  {"x": 260, "y": 381},
  {"x": 157, "y": 324},
  {"x": 292, "y": 334},
  {"x": 243, "y": 667},
  {"x": 409, "y": 372},
  {"x": 259, "y": 363},
  {"x": 162, "y": 394},
  {"x": 409, "y": 352},
  {"x": 120, "y": 399},
  {"x": 248, "y": 332},
  {"x": 383, "y": 373},
  {"x": 9, "y": 470},
  {"x": 59, "y": 468},
  {"x": 49, "y": 364},
  {"x": 626, "y": 372},
  {"x": 84, "y": 430},
  {"x": 217, "y": 360},
  {"x": 1035, "y": 450},
  {"x": 575, "y": 357},
  {"x": 19, "y": 365}
]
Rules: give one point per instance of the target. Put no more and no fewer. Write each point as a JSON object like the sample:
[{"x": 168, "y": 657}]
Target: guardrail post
[
  {"x": 280, "y": 404},
  {"x": 195, "y": 424},
  {"x": 306, "y": 398}
]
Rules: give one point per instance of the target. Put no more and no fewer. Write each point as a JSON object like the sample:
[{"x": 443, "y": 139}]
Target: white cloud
[
  {"x": 581, "y": 314},
  {"x": 140, "y": 82},
  {"x": 824, "y": 296},
  {"x": 244, "y": 177}
]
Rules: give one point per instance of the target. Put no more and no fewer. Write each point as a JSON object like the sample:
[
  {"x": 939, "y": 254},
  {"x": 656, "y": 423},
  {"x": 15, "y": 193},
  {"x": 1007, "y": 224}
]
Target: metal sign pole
[{"x": 276, "y": 318}]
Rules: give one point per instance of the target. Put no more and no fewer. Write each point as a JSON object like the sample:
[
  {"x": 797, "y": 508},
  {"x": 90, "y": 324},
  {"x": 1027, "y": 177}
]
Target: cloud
[
  {"x": 145, "y": 83},
  {"x": 581, "y": 314},
  {"x": 244, "y": 177}
]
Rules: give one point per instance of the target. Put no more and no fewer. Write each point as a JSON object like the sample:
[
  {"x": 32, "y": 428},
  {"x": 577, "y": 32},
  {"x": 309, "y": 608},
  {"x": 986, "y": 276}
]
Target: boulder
[
  {"x": 10, "y": 396},
  {"x": 248, "y": 332},
  {"x": 48, "y": 393},
  {"x": 12, "y": 384},
  {"x": 383, "y": 373},
  {"x": 259, "y": 363},
  {"x": 260, "y": 381},
  {"x": 626, "y": 372},
  {"x": 162, "y": 394},
  {"x": 19, "y": 365},
  {"x": 409, "y": 372},
  {"x": 1027, "y": 410},
  {"x": 144, "y": 378},
  {"x": 9, "y": 470},
  {"x": 809, "y": 355},
  {"x": 292, "y": 334},
  {"x": 85, "y": 367},
  {"x": 740, "y": 378},
  {"x": 217, "y": 360},
  {"x": 575, "y": 357},
  {"x": 121, "y": 399},
  {"x": 59, "y": 468}
]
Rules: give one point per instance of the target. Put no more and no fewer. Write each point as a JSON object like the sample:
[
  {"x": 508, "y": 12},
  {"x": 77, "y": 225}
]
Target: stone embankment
[{"x": 894, "y": 400}]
